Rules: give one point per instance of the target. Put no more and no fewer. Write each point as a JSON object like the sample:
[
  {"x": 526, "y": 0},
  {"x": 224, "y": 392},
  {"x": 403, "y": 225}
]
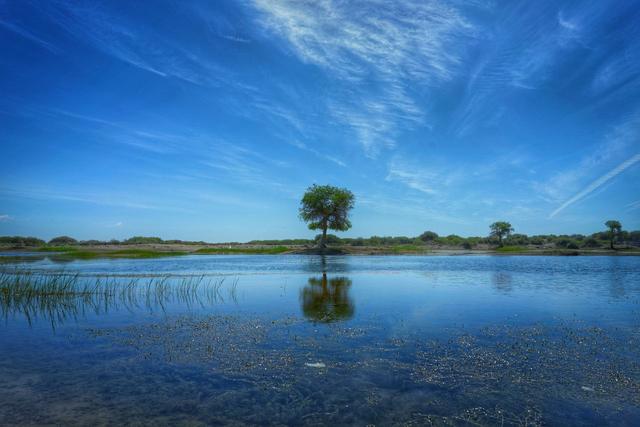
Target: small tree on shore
[
  {"x": 62, "y": 240},
  {"x": 614, "y": 230},
  {"x": 326, "y": 207},
  {"x": 428, "y": 236},
  {"x": 501, "y": 229}
]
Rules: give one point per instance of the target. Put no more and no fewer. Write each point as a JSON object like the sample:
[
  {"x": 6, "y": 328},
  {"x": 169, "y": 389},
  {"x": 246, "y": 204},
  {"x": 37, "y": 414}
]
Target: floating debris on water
[{"x": 316, "y": 365}]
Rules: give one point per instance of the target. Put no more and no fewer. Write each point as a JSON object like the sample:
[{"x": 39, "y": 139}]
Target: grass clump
[
  {"x": 60, "y": 297},
  {"x": 399, "y": 249},
  {"x": 57, "y": 249},
  {"x": 510, "y": 249},
  {"x": 73, "y": 252},
  {"x": 144, "y": 253},
  {"x": 253, "y": 251}
]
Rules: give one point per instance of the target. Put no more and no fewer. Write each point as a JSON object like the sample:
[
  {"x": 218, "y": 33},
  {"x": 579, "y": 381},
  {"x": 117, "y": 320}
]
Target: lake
[{"x": 311, "y": 340}]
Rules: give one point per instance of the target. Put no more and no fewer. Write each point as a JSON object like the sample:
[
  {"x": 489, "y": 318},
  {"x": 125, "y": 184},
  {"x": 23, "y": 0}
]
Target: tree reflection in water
[{"x": 327, "y": 300}]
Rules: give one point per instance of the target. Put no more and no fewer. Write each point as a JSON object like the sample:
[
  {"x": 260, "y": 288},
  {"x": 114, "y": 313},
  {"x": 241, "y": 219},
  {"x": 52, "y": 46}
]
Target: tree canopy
[
  {"x": 63, "y": 240},
  {"x": 326, "y": 207},
  {"x": 501, "y": 229},
  {"x": 428, "y": 236}
]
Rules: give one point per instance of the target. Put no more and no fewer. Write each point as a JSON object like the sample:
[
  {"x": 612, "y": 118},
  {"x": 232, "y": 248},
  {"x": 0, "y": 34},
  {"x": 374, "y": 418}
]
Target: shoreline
[{"x": 168, "y": 250}]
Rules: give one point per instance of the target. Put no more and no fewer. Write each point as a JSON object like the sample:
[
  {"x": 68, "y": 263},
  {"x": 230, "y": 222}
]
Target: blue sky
[{"x": 207, "y": 120}]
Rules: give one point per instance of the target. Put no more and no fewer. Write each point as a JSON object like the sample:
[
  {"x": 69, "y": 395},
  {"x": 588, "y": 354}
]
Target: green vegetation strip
[
  {"x": 511, "y": 249},
  {"x": 72, "y": 252},
  {"x": 253, "y": 251},
  {"x": 398, "y": 249}
]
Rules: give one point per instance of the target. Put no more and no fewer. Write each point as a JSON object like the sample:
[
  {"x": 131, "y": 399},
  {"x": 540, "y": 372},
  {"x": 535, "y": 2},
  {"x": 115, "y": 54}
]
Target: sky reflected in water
[{"x": 449, "y": 334}]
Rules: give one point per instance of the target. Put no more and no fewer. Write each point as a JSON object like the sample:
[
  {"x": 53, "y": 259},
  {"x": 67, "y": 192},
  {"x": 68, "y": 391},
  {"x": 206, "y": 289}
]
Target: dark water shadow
[
  {"x": 502, "y": 281},
  {"x": 332, "y": 264}
]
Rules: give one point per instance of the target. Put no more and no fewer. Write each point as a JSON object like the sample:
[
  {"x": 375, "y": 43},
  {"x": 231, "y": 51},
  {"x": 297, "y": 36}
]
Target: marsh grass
[
  {"x": 78, "y": 253},
  {"x": 62, "y": 297},
  {"x": 403, "y": 249},
  {"x": 73, "y": 252},
  {"x": 142, "y": 253},
  {"x": 510, "y": 249},
  {"x": 518, "y": 250},
  {"x": 56, "y": 249}
]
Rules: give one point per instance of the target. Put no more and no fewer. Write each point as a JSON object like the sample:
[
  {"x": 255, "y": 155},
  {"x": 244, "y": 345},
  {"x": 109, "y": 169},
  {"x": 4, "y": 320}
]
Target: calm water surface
[{"x": 277, "y": 340}]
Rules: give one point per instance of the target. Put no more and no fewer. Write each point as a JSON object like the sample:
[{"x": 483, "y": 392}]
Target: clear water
[{"x": 306, "y": 340}]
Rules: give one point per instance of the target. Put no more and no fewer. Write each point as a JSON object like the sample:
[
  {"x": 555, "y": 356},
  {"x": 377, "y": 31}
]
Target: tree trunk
[
  {"x": 323, "y": 239},
  {"x": 611, "y": 242}
]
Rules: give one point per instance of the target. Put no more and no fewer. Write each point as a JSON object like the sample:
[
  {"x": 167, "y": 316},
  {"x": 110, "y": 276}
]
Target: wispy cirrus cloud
[
  {"x": 239, "y": 164},
  {"x": 515, "y": 54},
  {"x": 408, "y": 206},
  {"x": 380, "y": 57},
  {"x": 633, "y": 206},
  {"x": 24, "y": 32},
  {"x": 305, "y": 147},
  {"x": 233, "y": 161},
  {"x": 406, "y": 39},
  {"x": 615, "y": 145},
  {"x": 153, "y": 141},
  {"x": 5, "y": 218},
  {"x": 436, "y": 177},
  {"x": 83, "y": 197},
  {"x": 528, "y": 45},
  {"x": 419, "y": 178},
  {"x": 135, "y": 42},
  {"x": 597, "y": 184}
]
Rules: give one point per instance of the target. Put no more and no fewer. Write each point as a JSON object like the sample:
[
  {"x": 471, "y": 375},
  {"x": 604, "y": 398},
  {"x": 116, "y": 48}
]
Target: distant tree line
[
  {"x": 70, "y": 241},
  {"x": 573, "y": 241},
  {"x": 501, "y": 234}
]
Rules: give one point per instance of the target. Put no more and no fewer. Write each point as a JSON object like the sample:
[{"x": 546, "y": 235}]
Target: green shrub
[
  {"x": 139, "y": 240},
  {"x": 21, "y": 241},
  {"x": 332, "y": 239},
  {"x": 63, "y": 240},
  {"x": 428, "y": 236},
  {"x": 231, "y": 250},
  {"x": 590, "y": 242},
  {"x": 510, "y": 249}
]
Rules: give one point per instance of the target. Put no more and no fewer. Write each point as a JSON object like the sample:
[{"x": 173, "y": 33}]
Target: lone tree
[
  {"x": 428, "y": 236},
  {"x": 326, "y": 207},
  {"x": 501, "y": 229},
  {"x": 62, "y": 240},
  {"x": 614, "y": 230}
]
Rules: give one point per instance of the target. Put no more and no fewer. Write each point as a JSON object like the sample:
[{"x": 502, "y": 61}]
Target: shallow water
[{"x": 408, "y": 340}]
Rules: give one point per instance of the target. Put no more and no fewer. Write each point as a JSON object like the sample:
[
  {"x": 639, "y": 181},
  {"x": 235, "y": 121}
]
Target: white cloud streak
[
  {"x": 104, "y": 199},
  {"x": 413, "y": 177},
  {"x": 597, "y": 184},
  {"x": 23, "y": 32},
  {"x": 135, "y": 43},
  {"x": 5, "y": 218},
  {"x": 617, "y": 145},
  {"x": 381, "y": 58},
  {"x": 304, "y": 147}
]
